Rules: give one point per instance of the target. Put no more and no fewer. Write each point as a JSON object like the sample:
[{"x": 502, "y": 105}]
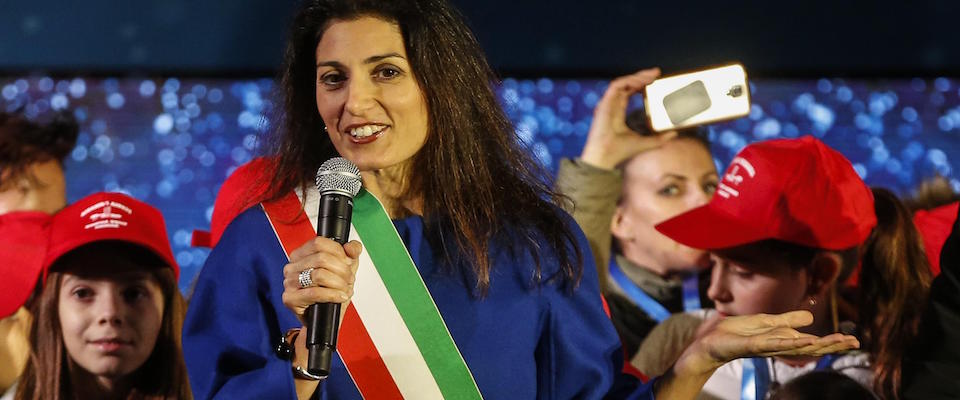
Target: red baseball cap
[
  {"x": 935, "y": 226},
  {"x": 236, "y": 195},
  {"x": 22, "y": 247},
  {"x": 108, "y": 216},
  {"x": 795, "y": 190}
]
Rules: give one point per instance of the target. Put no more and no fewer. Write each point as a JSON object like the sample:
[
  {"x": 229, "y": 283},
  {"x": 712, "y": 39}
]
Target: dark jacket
[{"x": 931, "y": 369}]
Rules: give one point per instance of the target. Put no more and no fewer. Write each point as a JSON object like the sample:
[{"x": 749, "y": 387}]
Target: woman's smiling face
[{"x": 367, "y": 94}]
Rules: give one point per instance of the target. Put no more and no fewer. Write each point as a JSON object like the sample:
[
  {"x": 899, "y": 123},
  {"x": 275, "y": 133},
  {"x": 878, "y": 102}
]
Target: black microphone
[{"x": 338, "y": 181}]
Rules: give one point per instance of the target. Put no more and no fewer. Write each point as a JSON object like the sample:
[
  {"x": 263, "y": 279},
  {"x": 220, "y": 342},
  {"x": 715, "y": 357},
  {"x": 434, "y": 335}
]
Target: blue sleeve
[
  {"x": 582, "y": 348},
  {"x": 232, "y": 323},
  {"x": 643, "y": 392}
]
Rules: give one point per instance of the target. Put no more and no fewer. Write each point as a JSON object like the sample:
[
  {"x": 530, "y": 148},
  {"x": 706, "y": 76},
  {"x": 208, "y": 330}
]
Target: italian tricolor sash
[{"x": 392, "y": 340}]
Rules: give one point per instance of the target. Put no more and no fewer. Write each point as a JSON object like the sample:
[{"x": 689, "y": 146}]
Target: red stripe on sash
[
  {"x": 367, "y": 369},
  {"x": 354, "y": 345},
  {"x": 290, "y": 222}
]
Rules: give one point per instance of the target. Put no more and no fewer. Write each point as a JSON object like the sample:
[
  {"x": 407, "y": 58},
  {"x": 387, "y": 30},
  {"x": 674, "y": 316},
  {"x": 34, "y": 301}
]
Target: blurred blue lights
[{"x": 172, "y": 141}]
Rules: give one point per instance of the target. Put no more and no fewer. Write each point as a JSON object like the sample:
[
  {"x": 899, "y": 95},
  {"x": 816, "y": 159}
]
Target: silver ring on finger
[{"x": 306, "y": 278}]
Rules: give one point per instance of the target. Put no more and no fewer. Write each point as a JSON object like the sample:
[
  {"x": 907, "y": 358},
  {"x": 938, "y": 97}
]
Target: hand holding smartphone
[
  {"x": 610, "y": 141},
  {"x": 697, "y": 98}
]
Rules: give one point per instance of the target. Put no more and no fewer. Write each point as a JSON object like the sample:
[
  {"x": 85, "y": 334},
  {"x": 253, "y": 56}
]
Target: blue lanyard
[
  {"x": 756, "y": 376},
  {"x": 691, "y": 293}
]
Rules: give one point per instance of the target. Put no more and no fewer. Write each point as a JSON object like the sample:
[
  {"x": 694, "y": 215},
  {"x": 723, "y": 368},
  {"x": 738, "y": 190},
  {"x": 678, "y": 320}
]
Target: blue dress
[{"x": 520, "y": 341}]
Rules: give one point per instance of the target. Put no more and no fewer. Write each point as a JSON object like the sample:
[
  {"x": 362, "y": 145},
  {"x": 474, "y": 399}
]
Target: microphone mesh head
[{"x": 338, "y": 175}]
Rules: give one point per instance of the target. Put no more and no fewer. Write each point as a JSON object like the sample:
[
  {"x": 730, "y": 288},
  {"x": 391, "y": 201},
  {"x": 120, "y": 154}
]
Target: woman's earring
[
  {"x": 812, "y": 301},
  {"x": 324, "y": 129}
]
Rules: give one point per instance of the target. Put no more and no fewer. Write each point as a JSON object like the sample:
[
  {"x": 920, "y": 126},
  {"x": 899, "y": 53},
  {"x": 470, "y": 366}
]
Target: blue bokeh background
[{"x": 172, "y": 141}]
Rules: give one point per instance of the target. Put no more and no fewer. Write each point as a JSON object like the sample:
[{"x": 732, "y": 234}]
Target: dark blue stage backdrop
[{"x": 172, "y": 141}]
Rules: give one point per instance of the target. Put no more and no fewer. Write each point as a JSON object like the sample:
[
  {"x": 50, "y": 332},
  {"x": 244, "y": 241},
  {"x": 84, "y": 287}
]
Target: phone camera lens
[{"x": 735, "y": 91}]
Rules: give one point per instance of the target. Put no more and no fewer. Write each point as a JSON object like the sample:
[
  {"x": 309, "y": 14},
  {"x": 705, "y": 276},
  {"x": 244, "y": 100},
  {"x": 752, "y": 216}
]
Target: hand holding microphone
[
  {"x": 321, "y": 273},
  {"x": 332, "y": 270}
]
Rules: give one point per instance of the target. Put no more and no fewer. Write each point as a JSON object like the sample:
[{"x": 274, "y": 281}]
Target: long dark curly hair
[{"x": 474, "y": 175}]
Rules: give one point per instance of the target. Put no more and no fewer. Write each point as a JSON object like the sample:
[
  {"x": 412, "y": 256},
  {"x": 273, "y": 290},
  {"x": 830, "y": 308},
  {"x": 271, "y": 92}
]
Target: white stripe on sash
[{"x": 382, "y": 320}]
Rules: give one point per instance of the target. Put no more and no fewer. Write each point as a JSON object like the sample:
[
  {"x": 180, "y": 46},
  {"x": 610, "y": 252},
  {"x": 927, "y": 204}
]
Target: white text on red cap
[
  {"x": 106, "y": 218},
  {"x": 734, "y": 178}
]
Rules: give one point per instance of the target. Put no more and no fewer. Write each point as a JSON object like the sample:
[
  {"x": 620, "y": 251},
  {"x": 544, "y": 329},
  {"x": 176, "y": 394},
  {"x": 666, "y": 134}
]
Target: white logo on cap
[
  {"x": 734, "y": 178},
  {"x": 106, "y": 214}
]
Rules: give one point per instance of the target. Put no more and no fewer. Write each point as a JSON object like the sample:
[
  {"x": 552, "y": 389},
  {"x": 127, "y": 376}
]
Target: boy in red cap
[
  {"x": 790, "y": 219},
  {"x": 108, "y": 318},
  {"x": 31, "y": 181}
]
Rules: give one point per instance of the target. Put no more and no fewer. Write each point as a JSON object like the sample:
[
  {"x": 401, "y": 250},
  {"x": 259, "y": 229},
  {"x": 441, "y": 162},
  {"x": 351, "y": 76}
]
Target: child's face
[
  {"x": 110, "y": 314},
  {"x": 740, "y": 287},
  {"x": 752, "y": 279}
]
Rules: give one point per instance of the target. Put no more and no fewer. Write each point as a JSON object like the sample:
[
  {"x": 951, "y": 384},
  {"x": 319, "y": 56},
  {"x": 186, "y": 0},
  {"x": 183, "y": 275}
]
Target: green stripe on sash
[{"x": 413, "y": 300}]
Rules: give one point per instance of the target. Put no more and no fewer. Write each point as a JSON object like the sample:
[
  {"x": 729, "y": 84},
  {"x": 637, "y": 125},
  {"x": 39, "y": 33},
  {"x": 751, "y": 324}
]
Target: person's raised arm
[
  {"x": 591, "y": 182},
  {"x": 610, "y": 141}
]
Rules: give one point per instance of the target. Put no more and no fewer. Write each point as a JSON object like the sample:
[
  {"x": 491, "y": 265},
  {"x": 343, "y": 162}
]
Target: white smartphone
[{"x": 697, "y": 98}]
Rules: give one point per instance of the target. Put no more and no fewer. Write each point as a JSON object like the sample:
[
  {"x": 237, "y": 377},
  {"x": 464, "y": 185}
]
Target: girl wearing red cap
[
  {"x": 109, "y": 315},
  {"x": 790, "y": 221}
]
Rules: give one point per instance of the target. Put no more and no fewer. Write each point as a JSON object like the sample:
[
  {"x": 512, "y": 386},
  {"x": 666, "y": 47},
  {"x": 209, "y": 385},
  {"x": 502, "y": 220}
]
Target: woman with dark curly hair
[{"x": 474, "y": 283}]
